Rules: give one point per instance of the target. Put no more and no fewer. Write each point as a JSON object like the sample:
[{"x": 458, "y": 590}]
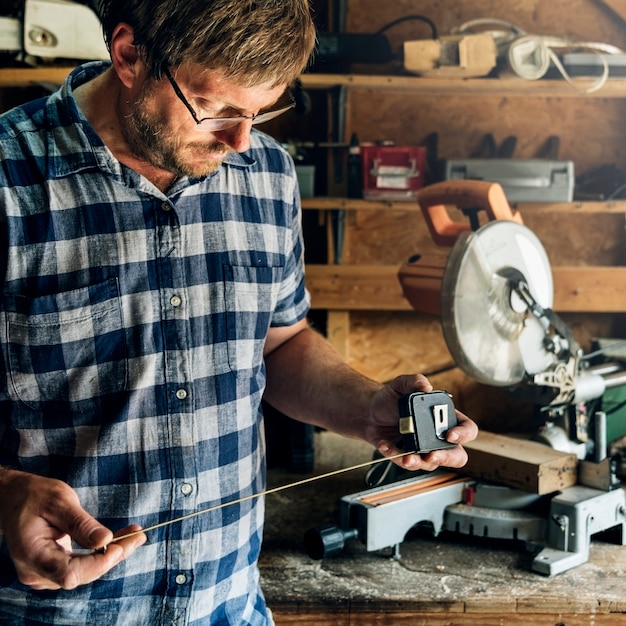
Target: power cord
[
  {"x": 530, "y": 56},
  {"x": 407, "y": 18}
]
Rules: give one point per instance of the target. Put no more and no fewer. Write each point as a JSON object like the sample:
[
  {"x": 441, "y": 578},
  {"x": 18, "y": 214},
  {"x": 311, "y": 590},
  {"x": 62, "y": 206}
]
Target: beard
[{"x": 151, "y": 139}]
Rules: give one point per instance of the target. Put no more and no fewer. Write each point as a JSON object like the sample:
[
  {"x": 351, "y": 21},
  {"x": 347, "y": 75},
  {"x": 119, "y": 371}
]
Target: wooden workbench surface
[{"x": 448, "y": 581}]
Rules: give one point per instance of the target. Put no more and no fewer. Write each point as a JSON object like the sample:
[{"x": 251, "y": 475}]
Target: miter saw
[
  {"x": 495, "y": 295},
  {"x": 496, "y": 299}
]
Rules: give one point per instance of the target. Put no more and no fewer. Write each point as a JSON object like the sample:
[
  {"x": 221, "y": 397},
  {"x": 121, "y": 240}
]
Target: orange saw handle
[{"x": 464, "y": 194}]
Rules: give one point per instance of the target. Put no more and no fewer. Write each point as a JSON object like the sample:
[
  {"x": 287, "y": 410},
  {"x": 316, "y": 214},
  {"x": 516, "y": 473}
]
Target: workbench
[{"x": 450, "y": 580}]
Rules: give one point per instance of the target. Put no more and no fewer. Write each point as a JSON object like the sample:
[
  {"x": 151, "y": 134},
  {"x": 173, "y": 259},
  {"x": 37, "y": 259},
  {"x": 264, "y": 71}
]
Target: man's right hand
[{"x": 40, "y": 517}]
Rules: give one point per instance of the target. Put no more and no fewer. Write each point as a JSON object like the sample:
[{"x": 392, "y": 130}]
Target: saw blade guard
[{"x": 488, "y": 328}]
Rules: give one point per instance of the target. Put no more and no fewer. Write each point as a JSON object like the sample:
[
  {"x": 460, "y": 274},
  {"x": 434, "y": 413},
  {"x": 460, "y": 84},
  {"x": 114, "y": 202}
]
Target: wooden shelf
[
  {"x": 481, "y": 87},
  {"x": 377, "y": 288},
  {"x": 28, "y": 77},
  {"x": 569, "y": 208},
  {"x": 349, "y": 204},
  {"x": 508, "y": 86},
  {"x": 579, "y": 289}
]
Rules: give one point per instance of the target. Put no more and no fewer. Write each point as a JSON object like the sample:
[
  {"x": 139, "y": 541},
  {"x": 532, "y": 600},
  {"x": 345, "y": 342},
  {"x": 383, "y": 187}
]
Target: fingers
[
  {"x": 54, "y": 567},
  {"x": 465, "y": 430},
  {"x": 42, "y": 519},
  {"x": 384, "y": 429},
  {"x": 406, "y": 384},
  {"x": 450, "y": 457},
  {"x": 85, "y": 568},
  {"x": 422, "y": 383},
  {"x": 132, "y": 537},
  {"x": 455, "y": 458},
  {"x": 64, "y": 512}
]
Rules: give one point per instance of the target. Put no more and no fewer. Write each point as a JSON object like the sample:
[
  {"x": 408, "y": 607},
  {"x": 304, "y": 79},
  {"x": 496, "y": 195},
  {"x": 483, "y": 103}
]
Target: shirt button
[
  {"x": 176, "y": 301},
  {"x": 166, "y": 207},
  {"x": 181, "y": 394},
  {"x": 186, "y": 488},
  {"x": 181, "y": 579}
]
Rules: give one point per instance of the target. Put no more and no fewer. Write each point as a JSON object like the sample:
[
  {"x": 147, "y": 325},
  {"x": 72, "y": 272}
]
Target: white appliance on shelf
[{"x": 52, "y": 29}]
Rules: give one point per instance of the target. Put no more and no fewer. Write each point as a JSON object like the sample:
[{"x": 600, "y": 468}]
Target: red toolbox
[{"x": 393, "y": 172}]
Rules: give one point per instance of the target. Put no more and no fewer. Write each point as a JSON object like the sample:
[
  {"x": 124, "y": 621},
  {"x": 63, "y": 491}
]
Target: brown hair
[{"x": 251, "y": 41}]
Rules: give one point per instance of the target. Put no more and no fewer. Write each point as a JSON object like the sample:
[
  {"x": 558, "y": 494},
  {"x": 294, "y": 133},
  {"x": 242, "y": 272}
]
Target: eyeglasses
[{"x": 222, "y": 123}]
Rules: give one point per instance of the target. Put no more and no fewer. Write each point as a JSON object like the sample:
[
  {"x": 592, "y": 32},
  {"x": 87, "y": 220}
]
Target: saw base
[{"x": 381, "y": 517}]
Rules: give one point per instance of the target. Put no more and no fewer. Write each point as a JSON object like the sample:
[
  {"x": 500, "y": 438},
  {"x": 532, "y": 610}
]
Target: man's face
[{"x": 160, "y": 130}]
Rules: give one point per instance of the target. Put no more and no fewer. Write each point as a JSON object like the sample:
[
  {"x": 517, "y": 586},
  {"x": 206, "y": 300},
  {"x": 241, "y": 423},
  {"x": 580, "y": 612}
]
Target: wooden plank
[
  {"x": 392, "y": 494},
  {"x": 354, "y": 287},
  {"x": 589, "y": 289},
  {"x": 519, "y": 463},
  {"x": 376, "y": 288},
  {"x": 572, "y": 208},
  {"x": 522, "y": 464}
]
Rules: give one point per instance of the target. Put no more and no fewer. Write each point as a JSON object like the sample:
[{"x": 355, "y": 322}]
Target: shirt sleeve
[{"x": 294, "y": 300}]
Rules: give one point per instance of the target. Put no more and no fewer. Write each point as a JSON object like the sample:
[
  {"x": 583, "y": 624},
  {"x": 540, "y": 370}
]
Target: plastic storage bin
[{"x": 523, "y": 180}]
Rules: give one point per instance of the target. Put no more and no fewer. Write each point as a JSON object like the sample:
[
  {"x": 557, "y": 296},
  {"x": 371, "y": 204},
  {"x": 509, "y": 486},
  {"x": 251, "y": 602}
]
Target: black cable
[
  {"x": 406, "y": 18},
  {"x": 386, "y": 27},
  {"x": 441, "y": 370}
]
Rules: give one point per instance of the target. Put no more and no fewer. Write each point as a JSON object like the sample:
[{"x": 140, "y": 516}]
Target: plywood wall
[
  {"x": 588, "y": 20},
  {"x": 591, "y": 132}
]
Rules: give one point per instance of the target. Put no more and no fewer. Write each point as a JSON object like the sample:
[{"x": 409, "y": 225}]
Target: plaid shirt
[{"x": 132, "y": 325}]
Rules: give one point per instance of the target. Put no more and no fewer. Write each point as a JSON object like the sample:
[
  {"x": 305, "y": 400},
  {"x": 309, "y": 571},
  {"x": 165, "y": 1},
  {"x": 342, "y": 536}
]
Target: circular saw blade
[{"x": 489, "y": 331}]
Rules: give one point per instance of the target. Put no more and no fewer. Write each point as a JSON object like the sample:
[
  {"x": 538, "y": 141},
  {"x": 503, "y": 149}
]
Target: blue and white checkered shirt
[{"x": 132, "y": 326}]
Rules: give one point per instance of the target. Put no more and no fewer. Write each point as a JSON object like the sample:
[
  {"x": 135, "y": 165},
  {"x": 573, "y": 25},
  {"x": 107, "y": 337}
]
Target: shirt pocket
[
  {"x": 250, "y": 294},
  {"x": 67, "y": 348}
]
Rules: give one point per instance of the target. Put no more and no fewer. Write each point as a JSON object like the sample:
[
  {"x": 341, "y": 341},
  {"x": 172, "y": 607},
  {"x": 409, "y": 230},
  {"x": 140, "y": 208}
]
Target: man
[{"x": 152, "y": 293}]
